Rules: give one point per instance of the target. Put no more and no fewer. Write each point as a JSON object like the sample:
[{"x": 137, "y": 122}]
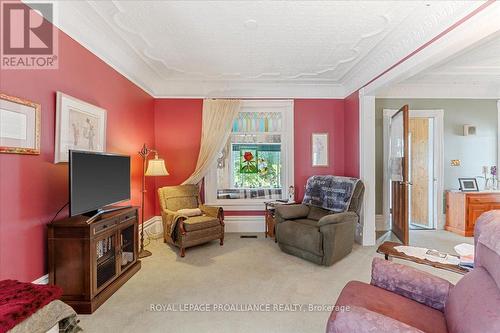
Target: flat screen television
[{"x": 97, "y": 180}]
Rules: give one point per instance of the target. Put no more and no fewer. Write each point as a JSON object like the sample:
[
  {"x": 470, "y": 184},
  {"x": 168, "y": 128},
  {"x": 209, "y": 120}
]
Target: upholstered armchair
[
  {"x": 404, "y": 299},
  {"x": 182, "y": 227},
  {"x": 316, "y": 234}
]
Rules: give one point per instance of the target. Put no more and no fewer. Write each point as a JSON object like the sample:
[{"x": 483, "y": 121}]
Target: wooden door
[
  {"x": 421, "y": 173},
  {"x": 399, "y": 158}
]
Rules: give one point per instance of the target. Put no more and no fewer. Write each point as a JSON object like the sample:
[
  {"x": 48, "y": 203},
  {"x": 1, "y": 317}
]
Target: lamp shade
[{"x": 156, "y": 167}]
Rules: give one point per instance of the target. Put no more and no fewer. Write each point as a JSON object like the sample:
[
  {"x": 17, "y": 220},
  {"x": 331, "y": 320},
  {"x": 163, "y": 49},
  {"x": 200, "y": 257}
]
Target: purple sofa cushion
[
  {"x": 392, "y": 305},
  {"x": 490, "y": 261},
  {"x": 483, "y": 221},
  {"x": 362, "y": 320},
  {"x": 410, "y": 282},
  {"x": 474, "y": 304}
]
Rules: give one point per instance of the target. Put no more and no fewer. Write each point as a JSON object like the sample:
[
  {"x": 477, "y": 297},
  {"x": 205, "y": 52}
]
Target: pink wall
[
  {"x": 351, "y": 130},
  {"x": 317, "y": 116},
  {"x": 177, "y": 137},
  {"x": 32, "y": 188},
  {"x": 178, "y": 134}
]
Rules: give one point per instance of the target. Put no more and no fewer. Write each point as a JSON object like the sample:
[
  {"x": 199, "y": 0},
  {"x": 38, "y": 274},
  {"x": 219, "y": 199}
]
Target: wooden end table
[
  {"x": 270, "y": 220},
  {"x": 389, "y": 251}
]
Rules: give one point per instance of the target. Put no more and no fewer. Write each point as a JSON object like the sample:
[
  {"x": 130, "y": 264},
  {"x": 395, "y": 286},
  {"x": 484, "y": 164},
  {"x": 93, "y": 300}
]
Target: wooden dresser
[
  {"x": 463, "y": 209},
  {"x": 91, "y": 261}
]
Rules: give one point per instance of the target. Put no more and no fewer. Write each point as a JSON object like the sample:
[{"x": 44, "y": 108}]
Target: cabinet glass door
[
  {"x": 106, "y": 260},
  {"x": 127, "y": 246}
]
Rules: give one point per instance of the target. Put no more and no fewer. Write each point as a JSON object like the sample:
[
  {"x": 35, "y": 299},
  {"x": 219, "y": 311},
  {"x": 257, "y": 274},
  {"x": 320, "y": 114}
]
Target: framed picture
[
  {"x": 19, "y": 125},
  {"x": 79, "y": 125},
  {"x": 468, "y": 184},
  {"x": 319, "y": 149}
]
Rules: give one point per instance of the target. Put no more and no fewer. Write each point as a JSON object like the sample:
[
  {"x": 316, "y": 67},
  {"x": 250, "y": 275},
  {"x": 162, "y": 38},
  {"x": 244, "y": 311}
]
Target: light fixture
[{"x": 155, "y": 167}]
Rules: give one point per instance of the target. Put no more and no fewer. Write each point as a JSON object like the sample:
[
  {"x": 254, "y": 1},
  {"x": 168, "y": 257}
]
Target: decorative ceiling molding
[
  {"x": 472, "y": 73},
  {"x": 422, "y": 25},
  {"x": 199, "y": 49}
]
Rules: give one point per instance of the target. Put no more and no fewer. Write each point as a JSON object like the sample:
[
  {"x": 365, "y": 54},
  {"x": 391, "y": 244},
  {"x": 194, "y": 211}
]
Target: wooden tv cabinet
[
  {"x": 91, "y": 261},
  {"x": 463, "y": 209}
]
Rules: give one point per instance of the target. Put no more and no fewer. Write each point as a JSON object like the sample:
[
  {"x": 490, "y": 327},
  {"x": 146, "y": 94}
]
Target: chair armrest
[
  {"x": 214, "y": 211},
  {"x": 358, "y": 319},
  {"x": 290, "y": 212},
  {"x": 337, "y": 218},
  {"x": 411, "y": 283}
]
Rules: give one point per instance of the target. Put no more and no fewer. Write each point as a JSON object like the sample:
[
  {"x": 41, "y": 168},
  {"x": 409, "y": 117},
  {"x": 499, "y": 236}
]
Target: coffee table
[{"x": 389, "y": 251}]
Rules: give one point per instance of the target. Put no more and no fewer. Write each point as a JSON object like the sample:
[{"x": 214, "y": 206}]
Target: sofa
[
  {"x": 404, "y": 299},
  {"x": 316, "y": 234}
]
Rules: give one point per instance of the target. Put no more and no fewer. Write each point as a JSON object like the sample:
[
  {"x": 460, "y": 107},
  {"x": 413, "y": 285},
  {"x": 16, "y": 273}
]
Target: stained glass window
[
  {"x": 256, "y": 166},
  {"x": 249, "y": 167},
  {"x": 258, "y": 122}
]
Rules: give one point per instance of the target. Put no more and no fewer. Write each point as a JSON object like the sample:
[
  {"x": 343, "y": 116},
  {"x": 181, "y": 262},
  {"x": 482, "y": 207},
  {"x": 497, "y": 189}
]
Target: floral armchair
[{"x": 185, "y": 231}]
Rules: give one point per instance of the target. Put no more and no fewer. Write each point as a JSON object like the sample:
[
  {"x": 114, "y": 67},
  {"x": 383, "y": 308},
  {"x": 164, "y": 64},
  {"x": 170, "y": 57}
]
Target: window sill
[{"x": 240, "y": 204}]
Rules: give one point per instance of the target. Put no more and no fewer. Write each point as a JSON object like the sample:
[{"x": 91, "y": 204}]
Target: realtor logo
[{"x": 28, "y": 37}]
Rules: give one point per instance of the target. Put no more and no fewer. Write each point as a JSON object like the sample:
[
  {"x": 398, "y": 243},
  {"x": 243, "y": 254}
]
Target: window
[{"x": 254, "y": 166}]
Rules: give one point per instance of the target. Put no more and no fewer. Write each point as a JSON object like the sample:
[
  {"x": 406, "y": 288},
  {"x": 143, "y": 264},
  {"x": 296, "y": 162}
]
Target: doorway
[{"x": 425, "y": 162}]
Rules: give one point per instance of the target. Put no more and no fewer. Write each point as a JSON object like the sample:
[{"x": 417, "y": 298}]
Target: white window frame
[{"x": 287, "y": 157}]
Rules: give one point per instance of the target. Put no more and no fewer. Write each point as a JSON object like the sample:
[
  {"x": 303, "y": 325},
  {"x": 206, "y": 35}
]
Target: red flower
[{"x": 248, "y": 156}]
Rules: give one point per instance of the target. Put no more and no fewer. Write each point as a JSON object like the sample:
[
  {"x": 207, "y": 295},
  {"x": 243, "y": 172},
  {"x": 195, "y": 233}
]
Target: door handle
[{"x": 405, "y": 183}]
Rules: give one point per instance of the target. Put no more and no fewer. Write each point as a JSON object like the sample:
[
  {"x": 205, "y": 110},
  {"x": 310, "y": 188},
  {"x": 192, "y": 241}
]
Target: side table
[{"x": 270, "y": 220}]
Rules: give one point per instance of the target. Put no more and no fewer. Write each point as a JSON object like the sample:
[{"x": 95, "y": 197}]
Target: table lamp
[{"x": 153, "y": 167}]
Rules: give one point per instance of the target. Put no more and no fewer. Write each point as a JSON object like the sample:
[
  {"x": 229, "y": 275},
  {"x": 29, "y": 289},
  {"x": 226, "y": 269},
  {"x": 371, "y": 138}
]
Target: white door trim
[
  {"x": 367, "y": 166},
  {"x": 438, "y": 116},
  {"x": 498, "y": 132}
]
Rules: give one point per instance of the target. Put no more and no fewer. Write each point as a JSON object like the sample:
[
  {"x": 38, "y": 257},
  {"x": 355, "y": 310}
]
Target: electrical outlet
[{"x": 455, "y": 162}]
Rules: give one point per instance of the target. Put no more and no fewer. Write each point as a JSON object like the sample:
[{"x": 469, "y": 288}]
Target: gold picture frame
[
  {"x": 319, "y": 150},
  {"x": 19, "y": 125}
]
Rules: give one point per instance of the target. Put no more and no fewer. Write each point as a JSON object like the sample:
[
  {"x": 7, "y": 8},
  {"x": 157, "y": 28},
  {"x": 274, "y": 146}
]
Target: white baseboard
[
  {"x": 42, "y": 280},
  {"x": 381, "y": 224},
  {"x": 154, "y": 226},
  {"x": 245, "y": 224}
]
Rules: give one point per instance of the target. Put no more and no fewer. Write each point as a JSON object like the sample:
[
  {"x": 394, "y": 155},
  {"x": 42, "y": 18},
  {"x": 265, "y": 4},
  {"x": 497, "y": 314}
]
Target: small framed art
[
  {"x": 468, "y": 184},
  {"x": 79, "y": 125},
  {"x": 19, "y": 125},
  {"x": 319, "y": 149}
]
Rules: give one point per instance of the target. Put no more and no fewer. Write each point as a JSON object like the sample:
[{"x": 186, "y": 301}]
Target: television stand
[
  {"x": 92, "y": 261},
  {"x": 94, "y": 214}
]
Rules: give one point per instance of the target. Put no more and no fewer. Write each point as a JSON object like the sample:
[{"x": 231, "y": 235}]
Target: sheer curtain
[{"x": 217, "y": 120}]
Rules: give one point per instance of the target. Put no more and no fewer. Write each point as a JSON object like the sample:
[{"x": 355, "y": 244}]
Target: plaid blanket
[{"x": 330, "y": 192}]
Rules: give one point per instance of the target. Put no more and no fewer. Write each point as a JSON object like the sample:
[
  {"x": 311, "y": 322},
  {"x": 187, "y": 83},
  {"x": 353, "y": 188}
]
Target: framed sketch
[
  {"x": 79, "y": 126},
  {"x": 468, "y": 184},
  {"x": 320, "y": 149},
  {"x": 19, "y": 125}
]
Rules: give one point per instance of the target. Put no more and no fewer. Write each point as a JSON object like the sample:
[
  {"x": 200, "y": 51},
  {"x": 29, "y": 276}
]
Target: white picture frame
[
  {"x": 79, "y": 125},
  {"x": 319, "y": 150}
]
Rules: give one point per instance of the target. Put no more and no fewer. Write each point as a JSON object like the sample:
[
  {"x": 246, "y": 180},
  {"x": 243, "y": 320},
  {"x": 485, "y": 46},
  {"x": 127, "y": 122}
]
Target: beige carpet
[{"x": 243, "y": 271}]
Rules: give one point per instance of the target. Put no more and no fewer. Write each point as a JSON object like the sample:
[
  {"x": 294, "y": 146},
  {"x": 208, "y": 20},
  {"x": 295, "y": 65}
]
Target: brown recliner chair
[
  {"x": 318, "y": 235},
  {"x": 183, "y": 231}
]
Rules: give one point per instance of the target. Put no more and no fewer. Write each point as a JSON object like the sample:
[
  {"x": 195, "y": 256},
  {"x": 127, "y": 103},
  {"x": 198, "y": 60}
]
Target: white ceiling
[
  {"x": 473, "y": 73},
  {"x": 255, "y": 48}
]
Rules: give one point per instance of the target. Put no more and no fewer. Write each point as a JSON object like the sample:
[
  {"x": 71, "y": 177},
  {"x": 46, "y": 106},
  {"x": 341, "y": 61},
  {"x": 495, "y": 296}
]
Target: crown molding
[{"x": 429, "y": 90}]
